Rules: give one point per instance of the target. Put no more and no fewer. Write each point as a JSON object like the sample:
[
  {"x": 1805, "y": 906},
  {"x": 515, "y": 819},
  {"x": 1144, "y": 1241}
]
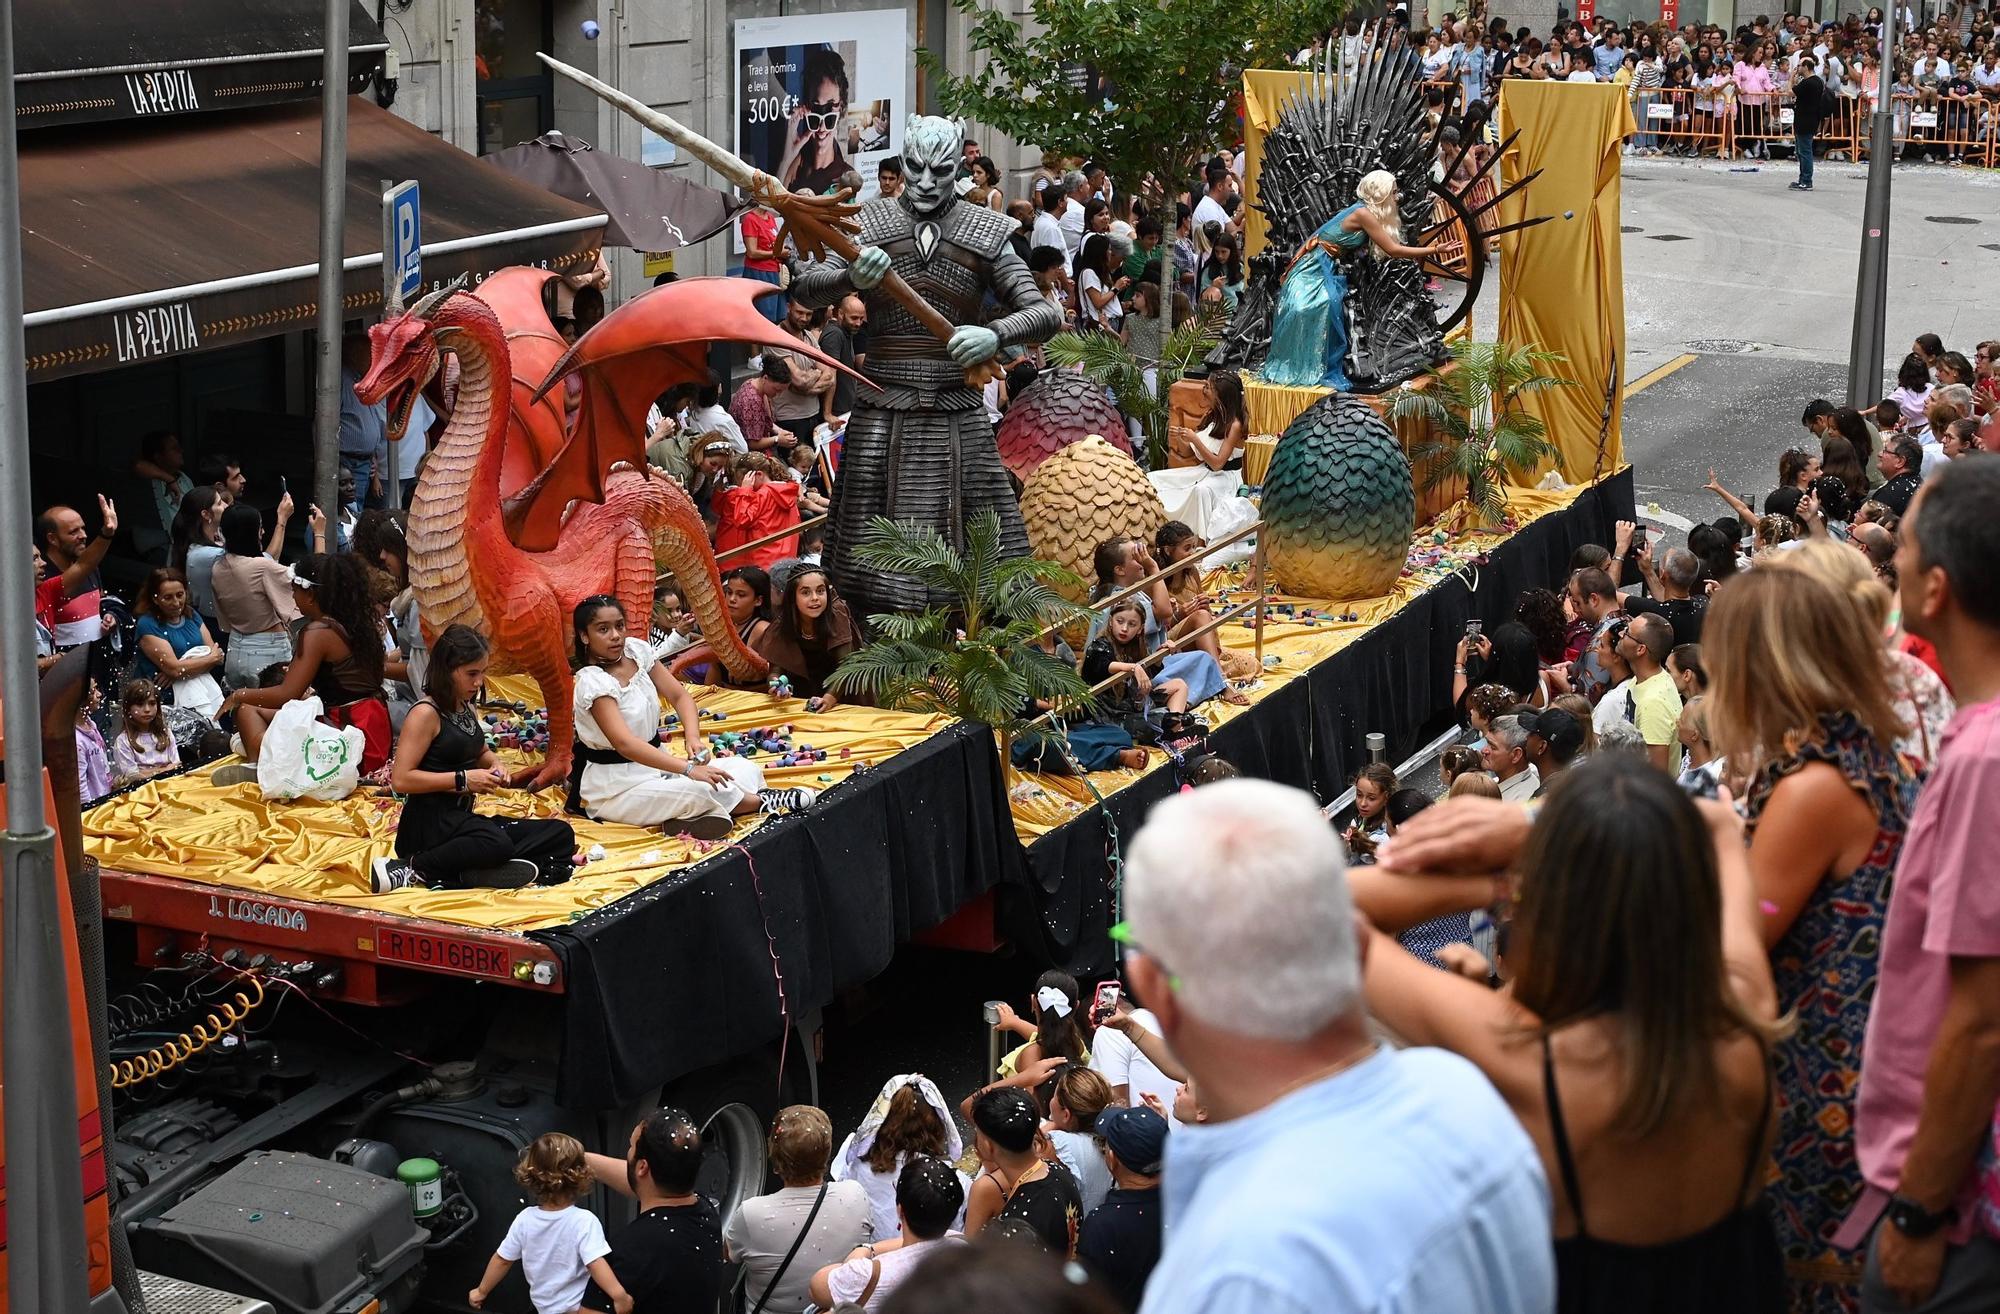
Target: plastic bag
[
  {"x": 1225, "y": 519},
  {"x": 303, "y": 757},
  {"x": 199, "y": 694}
]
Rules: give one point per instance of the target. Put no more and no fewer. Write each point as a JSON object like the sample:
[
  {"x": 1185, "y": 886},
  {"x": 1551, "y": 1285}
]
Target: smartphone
[
  {"x": 1473, "y": 627},
  {"x": 1105, "y": 1002},
  {"x": 282, "y": 489}
]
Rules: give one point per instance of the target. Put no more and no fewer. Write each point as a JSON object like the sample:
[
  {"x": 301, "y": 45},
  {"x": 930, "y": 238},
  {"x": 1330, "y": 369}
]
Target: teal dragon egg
[{"x": 1339, "y": 505}]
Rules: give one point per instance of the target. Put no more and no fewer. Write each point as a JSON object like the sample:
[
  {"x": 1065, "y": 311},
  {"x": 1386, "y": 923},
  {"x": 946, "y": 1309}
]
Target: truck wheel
[{"x": 732, "y": 1153}]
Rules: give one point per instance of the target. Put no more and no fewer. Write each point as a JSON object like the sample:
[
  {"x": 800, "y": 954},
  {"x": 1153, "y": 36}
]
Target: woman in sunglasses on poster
[{"x": 814, "y": 159}]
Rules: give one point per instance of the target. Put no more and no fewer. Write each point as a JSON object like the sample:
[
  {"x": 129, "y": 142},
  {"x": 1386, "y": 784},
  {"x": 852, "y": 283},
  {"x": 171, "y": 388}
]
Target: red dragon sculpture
[{"x": 519, "y": 515}]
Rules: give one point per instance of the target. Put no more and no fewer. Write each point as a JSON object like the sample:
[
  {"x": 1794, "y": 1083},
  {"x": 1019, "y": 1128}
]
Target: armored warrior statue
[{"x": 919, "y": 447}]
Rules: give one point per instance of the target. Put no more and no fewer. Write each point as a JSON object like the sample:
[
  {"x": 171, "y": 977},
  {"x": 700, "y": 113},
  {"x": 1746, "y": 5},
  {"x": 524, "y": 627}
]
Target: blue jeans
[
  {"x": 1643, "y": 140},
  {"x": 1803, "y": 139},
  {"x": 249, "y": 654}
]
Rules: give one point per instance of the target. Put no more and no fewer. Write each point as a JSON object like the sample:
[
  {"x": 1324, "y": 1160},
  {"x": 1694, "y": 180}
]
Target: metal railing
[{"x": 1255, "y": 606}]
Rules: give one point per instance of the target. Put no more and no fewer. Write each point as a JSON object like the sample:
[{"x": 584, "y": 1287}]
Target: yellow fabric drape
[
  {"x": 1264, "y": 92},
  {"x": 1562, "y": 283},
  {"x": 185, "y": 827},
  {"x": 1273, "y": 406}
]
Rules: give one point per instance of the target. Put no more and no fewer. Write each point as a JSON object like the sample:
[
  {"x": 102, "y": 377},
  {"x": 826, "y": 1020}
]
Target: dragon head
[{"x": 403, "y": 359}]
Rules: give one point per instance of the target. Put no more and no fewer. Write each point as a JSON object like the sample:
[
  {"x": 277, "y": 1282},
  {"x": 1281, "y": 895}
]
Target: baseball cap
[
  {"x": 1138, "y": 1136},
  {"x": 1560, "y": 729}
]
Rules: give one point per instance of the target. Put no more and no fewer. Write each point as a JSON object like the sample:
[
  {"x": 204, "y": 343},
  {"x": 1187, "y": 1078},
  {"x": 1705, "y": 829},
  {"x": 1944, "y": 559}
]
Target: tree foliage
[
  {"x": 975, "y": 659},
  {"x": 1107, "y": 361},
  {"x": 1479, "y": 429},
  {"x": 1141, "y": 86}
]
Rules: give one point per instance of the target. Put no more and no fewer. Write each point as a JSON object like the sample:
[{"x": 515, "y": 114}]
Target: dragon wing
[{"x": 638, "y": 351}]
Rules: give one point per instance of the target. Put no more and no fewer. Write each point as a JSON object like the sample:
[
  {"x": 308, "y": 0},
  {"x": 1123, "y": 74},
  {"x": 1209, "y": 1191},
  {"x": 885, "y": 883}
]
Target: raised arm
[
  {"x": 1736, "y": 504},
  {"x": 1744, "y": 955},
  {"x": 1378, "y": 233},
  {"x": 276, "y": 547},
  {"x": 77, "y": 574}
]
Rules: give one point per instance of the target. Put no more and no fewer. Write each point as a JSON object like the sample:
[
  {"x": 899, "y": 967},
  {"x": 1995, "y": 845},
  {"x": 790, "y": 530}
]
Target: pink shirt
[
  {"x": 1752, "y": 80},
  {"x": 1946, "y": 904}
]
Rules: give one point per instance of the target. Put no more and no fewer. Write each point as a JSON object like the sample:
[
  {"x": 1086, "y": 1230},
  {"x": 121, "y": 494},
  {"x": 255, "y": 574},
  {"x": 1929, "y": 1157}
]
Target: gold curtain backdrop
[
  {"x": 1264, "y": 92},
  {"x": 1562, "y": 283}
]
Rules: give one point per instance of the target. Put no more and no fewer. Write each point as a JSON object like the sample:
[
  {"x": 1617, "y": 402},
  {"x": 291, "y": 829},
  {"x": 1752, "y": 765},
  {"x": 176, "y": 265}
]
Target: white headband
[{"x": 1053, "y": 1000}]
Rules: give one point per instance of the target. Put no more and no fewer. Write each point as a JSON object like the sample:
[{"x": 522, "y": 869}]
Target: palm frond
[{"x": 907, "y": 549}]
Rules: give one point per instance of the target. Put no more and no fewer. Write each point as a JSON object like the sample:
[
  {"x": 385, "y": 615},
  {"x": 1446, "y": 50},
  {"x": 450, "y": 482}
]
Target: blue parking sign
[{"x": 403, "y": 243}]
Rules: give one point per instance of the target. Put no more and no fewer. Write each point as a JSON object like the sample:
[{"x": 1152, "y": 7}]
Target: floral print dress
[{"x": 1825, "y": 972}]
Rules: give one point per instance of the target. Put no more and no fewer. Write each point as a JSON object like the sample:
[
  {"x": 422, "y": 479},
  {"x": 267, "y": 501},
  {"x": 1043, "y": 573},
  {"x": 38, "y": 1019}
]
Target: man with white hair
[
  {"x": 1504, "y": 752},
  {"x": 1333, "y": 1173},
  {"x": 1076, "y": 190}
]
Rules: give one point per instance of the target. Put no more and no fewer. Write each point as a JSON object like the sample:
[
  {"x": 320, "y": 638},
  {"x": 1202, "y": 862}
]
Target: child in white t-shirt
[{"x": 560, "y": 1247}]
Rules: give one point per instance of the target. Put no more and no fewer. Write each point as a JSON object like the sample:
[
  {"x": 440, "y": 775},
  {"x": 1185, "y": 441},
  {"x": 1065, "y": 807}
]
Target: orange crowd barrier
[
  {"x": 1927, "y": 125},
  {"x": 1680, "y": 120}
]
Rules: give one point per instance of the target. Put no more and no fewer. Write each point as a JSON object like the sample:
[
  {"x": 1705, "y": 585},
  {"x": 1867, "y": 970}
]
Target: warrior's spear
[{"x": 817, "y": 224}]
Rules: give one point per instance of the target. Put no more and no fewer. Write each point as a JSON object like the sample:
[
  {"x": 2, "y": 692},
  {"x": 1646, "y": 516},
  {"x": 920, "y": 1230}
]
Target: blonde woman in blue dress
[{"x": 1309, "y": 330}]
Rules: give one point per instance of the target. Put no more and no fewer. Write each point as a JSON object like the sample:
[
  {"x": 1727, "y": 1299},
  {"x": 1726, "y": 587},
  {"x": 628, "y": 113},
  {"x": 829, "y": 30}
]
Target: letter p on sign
[{"x": 403, "y": 244}]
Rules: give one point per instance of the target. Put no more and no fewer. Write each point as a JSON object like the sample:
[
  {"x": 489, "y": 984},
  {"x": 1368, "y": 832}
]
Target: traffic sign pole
[{"x": 402, "y": 277}]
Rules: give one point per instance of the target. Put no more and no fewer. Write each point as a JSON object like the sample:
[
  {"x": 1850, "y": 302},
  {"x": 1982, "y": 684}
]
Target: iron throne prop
[{"x": 1373, "y": 116}]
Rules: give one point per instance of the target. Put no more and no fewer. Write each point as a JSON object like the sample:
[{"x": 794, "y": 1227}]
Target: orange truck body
[{"x": 90, "y": 1125}]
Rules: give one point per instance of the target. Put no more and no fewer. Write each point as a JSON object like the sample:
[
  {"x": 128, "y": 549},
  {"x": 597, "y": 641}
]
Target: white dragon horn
[{"x": 423, "y": 308}]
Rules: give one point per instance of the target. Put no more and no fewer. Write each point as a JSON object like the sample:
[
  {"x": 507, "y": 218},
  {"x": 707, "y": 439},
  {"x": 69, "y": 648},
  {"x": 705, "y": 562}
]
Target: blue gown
[{"x": 1309, "y": 329}]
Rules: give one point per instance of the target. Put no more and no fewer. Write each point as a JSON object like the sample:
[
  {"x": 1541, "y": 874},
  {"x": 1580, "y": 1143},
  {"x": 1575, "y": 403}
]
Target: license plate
[{"x": 441, "y": 954}]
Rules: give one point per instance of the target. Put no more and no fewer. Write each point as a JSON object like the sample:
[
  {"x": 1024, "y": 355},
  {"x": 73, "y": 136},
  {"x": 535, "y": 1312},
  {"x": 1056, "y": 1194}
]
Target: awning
[
  {"x": 84, "y": 63},
  {"x": 140, "y": 241}
]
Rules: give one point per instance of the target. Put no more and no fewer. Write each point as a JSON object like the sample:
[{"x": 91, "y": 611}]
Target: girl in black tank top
[
  {"x": 442, "y": 762},
  {"x": 1635, "y": 925},
  {"x": 1733, "y": 1264}
]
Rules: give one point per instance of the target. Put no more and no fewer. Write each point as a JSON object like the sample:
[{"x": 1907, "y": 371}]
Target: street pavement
[{"x": 1761, "y": 294}]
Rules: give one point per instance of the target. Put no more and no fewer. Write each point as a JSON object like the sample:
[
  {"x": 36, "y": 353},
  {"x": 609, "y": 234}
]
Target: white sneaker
[
  {"x": 779, "y": 801},
  {"x": 240, "y": 773}
]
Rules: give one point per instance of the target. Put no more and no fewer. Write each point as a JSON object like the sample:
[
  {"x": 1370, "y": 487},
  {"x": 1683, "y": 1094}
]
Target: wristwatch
[{"x": 1915, "y": 1221}]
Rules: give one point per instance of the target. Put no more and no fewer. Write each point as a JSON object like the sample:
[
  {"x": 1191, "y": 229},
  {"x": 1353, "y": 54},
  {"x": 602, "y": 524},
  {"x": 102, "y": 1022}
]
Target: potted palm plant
[
  {"x": 1110, "y": 363},
  {"x": 1478, "y": 428},
  {"x": 976, "y": 659}
]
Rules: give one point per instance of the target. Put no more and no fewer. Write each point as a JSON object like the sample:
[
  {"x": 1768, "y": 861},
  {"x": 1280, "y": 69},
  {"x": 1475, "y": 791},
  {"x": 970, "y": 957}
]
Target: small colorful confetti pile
[{"x": 776, "y": 741}]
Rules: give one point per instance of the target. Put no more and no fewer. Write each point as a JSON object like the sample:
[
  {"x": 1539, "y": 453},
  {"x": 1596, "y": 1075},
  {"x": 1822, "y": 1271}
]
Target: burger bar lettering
[
  {"x": 170, "y": 91},
  {"x": 155, "y": 331}
]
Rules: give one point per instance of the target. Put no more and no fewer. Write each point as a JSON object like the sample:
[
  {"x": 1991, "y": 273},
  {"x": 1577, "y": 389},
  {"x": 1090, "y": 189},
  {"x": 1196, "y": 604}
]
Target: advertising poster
[{"x": 820, "y": 94}]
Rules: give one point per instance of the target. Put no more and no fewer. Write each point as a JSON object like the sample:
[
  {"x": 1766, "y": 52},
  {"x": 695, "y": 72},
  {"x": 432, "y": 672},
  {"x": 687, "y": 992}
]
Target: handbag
[{"x": 778, "y": 1274}]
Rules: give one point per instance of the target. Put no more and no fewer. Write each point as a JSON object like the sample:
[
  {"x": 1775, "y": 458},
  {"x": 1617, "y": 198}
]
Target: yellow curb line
[{"x": 1652, "y": 377}]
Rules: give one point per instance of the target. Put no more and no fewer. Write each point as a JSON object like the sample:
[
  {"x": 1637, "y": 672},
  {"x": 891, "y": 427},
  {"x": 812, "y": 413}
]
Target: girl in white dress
[{"x": 625, "y": 774}]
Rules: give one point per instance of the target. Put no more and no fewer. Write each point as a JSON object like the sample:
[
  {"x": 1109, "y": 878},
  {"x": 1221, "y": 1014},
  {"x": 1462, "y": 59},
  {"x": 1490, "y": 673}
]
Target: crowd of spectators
[{"x": 1699, "y": 930}]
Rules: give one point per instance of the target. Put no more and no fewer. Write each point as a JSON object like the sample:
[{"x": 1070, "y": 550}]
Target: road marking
[{"x": 1651, "y": 377}]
